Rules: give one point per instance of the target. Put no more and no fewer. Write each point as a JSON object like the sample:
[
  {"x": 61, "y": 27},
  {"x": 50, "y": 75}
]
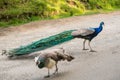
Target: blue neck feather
[{"x": 99, "y": 29}]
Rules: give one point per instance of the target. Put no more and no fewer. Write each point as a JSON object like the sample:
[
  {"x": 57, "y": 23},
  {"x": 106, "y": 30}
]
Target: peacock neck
[{"x": 99, "y": 29}]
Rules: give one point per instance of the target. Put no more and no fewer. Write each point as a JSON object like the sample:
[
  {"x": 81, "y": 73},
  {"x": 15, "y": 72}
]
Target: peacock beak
[{"x": 103, "y": 24}]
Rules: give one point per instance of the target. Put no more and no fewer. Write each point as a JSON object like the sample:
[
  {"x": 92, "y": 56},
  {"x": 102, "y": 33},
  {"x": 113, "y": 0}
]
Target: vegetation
[{"x": 14, "y": 12}]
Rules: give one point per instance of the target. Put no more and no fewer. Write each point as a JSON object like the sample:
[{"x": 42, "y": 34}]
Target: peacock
[
  {"x": 50, "y": 58},
  {"x": 86, "y": 34}
]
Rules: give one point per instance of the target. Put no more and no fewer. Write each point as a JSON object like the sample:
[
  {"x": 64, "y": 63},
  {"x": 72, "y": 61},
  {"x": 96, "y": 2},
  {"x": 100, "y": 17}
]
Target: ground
[{"x": 101, "y": 65}]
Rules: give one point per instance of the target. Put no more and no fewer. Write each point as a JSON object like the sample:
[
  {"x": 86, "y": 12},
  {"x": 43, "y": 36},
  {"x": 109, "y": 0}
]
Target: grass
[
  {"x": 33, "y": 10},
  {"x": 17, "y": 22}
]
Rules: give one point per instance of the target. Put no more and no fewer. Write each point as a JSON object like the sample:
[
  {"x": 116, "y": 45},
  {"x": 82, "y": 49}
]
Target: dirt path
[{"x": 102, "y": 65}]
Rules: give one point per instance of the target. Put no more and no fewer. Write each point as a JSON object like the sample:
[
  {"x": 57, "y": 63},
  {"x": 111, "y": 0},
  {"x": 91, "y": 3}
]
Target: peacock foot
[
  {"x": 85, "y": 49},
  {"x": 47, "y": 76},
  {"x": 93, "y": 51},
  {"x": 56, "y": 71}
]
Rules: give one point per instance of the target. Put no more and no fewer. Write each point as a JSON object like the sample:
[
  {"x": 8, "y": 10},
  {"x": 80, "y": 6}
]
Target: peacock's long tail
[{"x": 42, "y": 44}]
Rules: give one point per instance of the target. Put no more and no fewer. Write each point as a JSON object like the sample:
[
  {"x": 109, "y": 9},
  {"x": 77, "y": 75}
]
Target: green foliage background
[{"x": 14, "y": 12}]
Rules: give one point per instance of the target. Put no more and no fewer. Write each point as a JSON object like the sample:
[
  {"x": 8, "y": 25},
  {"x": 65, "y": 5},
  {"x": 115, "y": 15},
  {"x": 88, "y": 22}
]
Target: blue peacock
[{"x": 86, "y": 34}]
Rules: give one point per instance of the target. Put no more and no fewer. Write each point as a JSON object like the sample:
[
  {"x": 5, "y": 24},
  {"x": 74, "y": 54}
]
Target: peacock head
[
  {"x": 102, "y": 23},
  {"x": 40, "y": 62}
]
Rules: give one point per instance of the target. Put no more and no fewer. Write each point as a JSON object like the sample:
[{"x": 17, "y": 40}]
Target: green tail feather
[{"x": 43, "y": 43}]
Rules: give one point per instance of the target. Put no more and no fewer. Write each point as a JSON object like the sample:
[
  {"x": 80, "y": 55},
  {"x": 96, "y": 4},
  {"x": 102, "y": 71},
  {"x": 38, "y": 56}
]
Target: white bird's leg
[
  {"x": 91, "y": 50},
  {"x": 56, "y": 71},
  {"x": 84, "y": 44}
]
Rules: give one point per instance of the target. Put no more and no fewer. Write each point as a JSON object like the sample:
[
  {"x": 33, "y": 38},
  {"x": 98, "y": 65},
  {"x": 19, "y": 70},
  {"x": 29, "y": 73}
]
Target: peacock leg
[
  {"x": 48, "y": 74},
  {"x": 84, "y": 44},
  {"x": 56, "y": 71},
  {"x": 91, "y": 50}
]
